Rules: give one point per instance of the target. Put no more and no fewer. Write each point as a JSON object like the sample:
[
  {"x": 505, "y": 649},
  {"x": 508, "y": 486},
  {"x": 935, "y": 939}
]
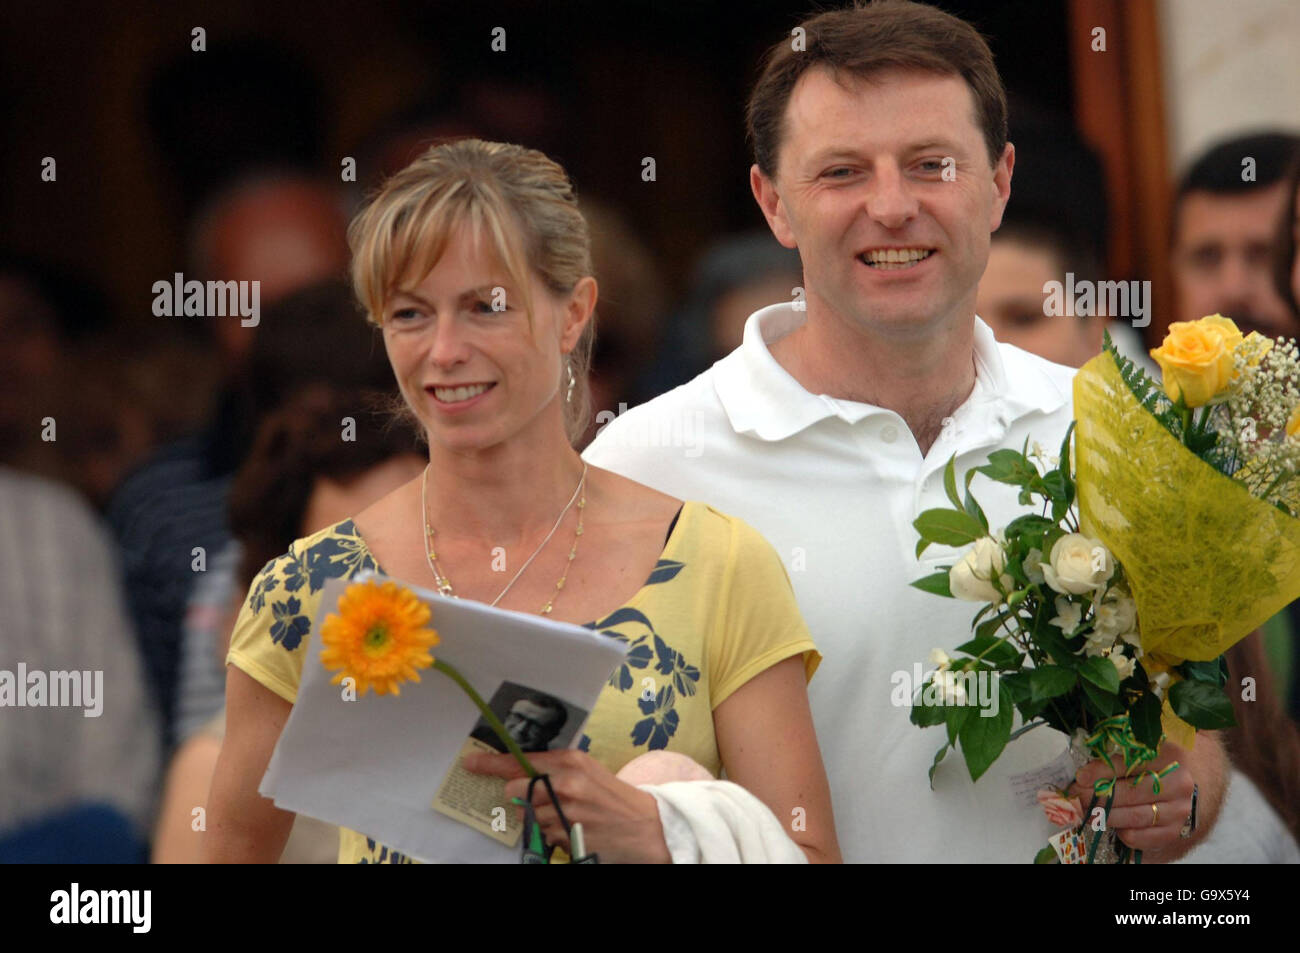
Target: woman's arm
[
  {"x": 243, "y": 826},
  {"x": 189, "y": 778},
  {"x": 769, "y": 747}
]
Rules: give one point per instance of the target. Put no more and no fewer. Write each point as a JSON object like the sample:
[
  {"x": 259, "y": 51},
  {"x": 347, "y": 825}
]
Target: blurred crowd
[{"x": 145, "y": 477}]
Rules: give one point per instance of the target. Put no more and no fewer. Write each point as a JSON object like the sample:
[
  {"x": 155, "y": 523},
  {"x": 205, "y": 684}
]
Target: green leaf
[
  {"x": 950, "y": 481},
  {"x": 948, "y": 527},
  {"x": 936, "y": 583},
  {"x": 1201, "y": 705},
  {"x": 1055, "y": 485},
  {"x": 1047, "y": 856},
  {"x": 954, "y": 717},
  {"x": 1144, "y": 715},
  {"x": 1017, "y": 685},
  {"x": 1031, "y": 524},
  {"x": 983, "y": 738},
  {"x": 1008, "y": 466},
  {"x": 1102, "y": 703},
  {"x": 997, "y": 652},
  {"x": 1051, "y": 640},
  {"x": 1064, "y": 466},
  {"x": 1212, "y": 672},
  {"x": 1101, "y": 672},
  {"x": 1147, "y": 392},
  {"x": 974, "y": 509},
  {"x": 926, "y": 716},
  {"x": 938, "y": 756},
  {"x": 1050, "y": 681}
]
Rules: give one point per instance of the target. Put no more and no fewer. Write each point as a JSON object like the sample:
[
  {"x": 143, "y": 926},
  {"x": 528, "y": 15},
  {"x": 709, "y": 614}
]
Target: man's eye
[
  {"x": 1205, "y": 258},
  {"x": 932, "y": 165},
  {"x": 838, "y": 173},
  {"x": 485, "y": 307}
]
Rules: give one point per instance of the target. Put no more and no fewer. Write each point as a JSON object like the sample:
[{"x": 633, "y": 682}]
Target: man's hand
[
  {"x": 619, "y": 822},
  {"x": 1153, "y": 823}
]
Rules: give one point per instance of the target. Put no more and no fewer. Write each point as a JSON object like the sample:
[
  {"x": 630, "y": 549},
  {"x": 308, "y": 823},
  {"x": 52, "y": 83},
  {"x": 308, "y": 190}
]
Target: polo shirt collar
[{"x": 762, "y": 399}]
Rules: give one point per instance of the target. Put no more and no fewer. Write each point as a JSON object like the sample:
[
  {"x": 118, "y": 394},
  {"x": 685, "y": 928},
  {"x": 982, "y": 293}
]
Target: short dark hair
[
  {"x": 296, "y": 444},
  {"x": 1218, "y": 170},
  {"x": 551, "y": 704},
  {"x": 1284, "y": 244},
  {"x": 866, "y": 39}
]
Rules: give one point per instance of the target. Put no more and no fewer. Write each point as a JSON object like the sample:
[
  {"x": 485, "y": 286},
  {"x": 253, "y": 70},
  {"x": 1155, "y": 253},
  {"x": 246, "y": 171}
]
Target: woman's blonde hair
[{"x": 520, "y": 198}]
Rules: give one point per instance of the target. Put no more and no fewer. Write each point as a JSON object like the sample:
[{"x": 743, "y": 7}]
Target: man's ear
[
  {"x": 578, "y": 311},
  {"x": 1002, "y": 185},
  {"x": 769, "y": 201}
]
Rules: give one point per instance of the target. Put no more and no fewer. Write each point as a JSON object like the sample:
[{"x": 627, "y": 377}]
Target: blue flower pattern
[
  {"x": 633, "y": 628},
  {"x": 342, "y": 553}
]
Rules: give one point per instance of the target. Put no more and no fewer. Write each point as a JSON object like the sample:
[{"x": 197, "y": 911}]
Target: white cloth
[
  {"x": 718, "y": 822},
  {"x": 834, "y": 485},
  {"x": 1248, "y": 831}
]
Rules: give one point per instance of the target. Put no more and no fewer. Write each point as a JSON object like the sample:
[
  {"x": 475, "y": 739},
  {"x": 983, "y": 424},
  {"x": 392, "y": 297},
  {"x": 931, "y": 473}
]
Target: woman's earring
[{"x": 573, "y": 382}]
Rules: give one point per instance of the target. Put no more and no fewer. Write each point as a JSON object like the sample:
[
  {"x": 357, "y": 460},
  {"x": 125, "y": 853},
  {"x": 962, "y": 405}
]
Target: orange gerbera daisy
[{"x": 378, "y": 637}]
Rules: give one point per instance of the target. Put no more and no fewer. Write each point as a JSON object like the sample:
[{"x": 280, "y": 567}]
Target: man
[
  {"x": 533, "y": 722},
  {"x": 880, "y": 142},
  {"x": 1225, "y": 218}
]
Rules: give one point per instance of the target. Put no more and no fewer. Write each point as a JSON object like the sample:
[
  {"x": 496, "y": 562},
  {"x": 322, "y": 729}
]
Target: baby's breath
[{"x": 1265, "y": 392}]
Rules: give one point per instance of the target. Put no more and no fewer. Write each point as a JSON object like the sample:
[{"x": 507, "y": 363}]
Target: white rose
[
  {"x": 971, "y": 579},
  {"x": 1078, "y": 565}
]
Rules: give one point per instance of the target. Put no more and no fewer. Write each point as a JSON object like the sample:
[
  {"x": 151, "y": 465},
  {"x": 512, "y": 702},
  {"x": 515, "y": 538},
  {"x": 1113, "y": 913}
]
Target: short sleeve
[
  {"x": 758, "y": 622},
  {"x": 269, "y": 640}
]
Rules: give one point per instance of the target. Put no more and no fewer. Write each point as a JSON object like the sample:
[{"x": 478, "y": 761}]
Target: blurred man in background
[{"x": 1225, "y": 213}]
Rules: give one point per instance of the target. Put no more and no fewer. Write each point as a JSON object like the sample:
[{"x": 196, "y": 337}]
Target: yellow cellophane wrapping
[{"x": 1206, "y": 561}]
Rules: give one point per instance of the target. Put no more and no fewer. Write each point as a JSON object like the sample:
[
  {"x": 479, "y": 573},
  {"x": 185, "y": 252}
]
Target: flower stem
[{"x": 488, "y": 715}]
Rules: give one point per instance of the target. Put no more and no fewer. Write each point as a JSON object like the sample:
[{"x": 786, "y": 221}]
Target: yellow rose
[{"x": 1196, "y": 358}]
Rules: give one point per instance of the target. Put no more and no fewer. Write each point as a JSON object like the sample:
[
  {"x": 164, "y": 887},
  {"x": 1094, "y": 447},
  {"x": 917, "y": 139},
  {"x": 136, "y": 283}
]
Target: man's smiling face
[{"x": 889, "y": 242}]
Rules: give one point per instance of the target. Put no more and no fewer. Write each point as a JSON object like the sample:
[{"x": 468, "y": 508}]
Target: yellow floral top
[{"x": 716, "y": 610}]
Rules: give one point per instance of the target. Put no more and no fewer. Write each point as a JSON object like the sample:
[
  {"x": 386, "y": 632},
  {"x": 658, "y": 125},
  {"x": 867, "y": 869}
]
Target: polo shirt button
[{"x": 889, "y": 433}]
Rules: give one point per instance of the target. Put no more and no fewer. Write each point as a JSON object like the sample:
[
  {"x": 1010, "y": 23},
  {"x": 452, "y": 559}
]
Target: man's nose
[
  {"x": 891, "y": 201},
  {"x": 1235, "y": 279}
]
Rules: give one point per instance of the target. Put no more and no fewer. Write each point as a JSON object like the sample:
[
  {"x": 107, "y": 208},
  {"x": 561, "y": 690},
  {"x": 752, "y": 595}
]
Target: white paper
[
  {"x": 375, "y": 763},
  {"x": 1057, "y": 774}
]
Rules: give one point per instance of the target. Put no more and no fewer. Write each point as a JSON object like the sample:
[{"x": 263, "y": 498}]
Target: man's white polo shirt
[{"x": 834, "y": 485}]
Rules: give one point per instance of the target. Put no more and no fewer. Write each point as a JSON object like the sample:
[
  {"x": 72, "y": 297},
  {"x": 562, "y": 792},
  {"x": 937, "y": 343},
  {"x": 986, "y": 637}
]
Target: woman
[{"x": 474, "y": 262}]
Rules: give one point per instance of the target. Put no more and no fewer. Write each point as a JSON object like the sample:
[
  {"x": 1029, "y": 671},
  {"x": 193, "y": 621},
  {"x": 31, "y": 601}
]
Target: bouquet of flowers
[{"x": 1166, "y": 536}]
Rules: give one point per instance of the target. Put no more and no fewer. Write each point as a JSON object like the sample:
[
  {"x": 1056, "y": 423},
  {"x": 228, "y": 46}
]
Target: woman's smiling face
[{"x": 469, "y": 363}]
